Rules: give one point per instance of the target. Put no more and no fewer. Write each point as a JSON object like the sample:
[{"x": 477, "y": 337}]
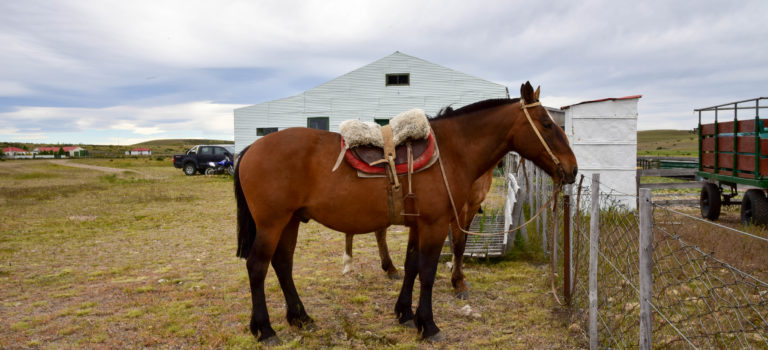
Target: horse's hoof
[
  {"x": 463, "y": 295},
  {"x": 309, "y": 327},
  {"x": 408, "y": 324},
  {"x": 435, "y": 338},
  {"x": 396, "y": 276},
  {"x": 271, "y": 341}
]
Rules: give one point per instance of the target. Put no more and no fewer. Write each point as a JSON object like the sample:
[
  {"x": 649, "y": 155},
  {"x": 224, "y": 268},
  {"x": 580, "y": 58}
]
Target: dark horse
[
  {"x": 477, "y": 194},
  {"x": 285, "y": 178}
]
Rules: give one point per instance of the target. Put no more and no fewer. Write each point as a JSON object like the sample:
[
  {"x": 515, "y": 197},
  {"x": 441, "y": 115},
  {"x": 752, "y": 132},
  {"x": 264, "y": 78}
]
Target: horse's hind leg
[
  {"x": 282, "y": 262},
  {"x": 386, "y": 261},
  {"x": 459, "y": 283},
  {"x": 264, "y": 245},
  {"x": 347, "y": 260}
]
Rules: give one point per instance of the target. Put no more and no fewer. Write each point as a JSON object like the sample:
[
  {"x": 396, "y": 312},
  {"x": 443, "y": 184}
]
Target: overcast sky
[{"x": 122, "y": 72}]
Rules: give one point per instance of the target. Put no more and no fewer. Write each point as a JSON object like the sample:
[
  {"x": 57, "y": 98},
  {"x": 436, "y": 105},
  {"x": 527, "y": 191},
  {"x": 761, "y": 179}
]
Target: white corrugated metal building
[
  {"x": 375, "y": 92},
  {"x": 603, "y": 136}
]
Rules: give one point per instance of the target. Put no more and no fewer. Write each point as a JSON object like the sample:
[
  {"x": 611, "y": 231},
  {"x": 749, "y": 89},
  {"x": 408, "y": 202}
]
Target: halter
[{"x": 525, "y": 107}]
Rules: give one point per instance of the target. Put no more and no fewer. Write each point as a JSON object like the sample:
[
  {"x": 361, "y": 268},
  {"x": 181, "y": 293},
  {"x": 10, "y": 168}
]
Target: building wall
[
  {"x": 362, "y": 94},
  {"x": 603, "y": 137}
]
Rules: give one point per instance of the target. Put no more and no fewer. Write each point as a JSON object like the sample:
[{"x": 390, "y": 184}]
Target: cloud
[
  {"x": 152, "y": 68},
  {"x": 194, "y": 118}
]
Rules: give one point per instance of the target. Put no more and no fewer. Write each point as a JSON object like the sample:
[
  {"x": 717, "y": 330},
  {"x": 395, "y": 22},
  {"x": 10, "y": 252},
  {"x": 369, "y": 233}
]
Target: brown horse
[
  {"x": 459, "y": 239},
  {"x": 285, "y": 178}
]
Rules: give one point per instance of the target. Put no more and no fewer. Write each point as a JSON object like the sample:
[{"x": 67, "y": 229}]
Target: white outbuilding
[
  {"x": 603, "y": 136},
  {"x": 375, "y": 92}
]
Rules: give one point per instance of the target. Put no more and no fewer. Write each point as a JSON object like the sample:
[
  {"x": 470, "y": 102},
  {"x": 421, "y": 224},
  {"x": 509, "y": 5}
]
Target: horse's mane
[{"x": 449, "y": 112}]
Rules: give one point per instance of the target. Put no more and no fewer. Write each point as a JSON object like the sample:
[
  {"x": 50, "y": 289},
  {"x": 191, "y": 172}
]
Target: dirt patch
[{"x": 93, "y": 167}]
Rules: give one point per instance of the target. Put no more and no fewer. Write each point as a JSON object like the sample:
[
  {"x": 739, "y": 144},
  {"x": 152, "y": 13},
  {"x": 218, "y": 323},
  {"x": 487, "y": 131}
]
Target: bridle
[{"x": 525, "y": 107}]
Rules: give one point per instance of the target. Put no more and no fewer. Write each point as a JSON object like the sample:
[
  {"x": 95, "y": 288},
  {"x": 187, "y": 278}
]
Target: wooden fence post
[
  {"x": 646, "y": 267},
  {"x": 567, "y": 273},
  {"x": 594, "y": 234},
  {"x": 543, "y": 217}
]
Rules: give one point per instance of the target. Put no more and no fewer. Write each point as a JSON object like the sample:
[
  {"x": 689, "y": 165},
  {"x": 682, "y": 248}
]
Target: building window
[
  {"x": 381, "y": 122},
  {"x": 265, "y": 131},
  {"x": 320, "y": 123},
  {"x": 398, "y": 79}
]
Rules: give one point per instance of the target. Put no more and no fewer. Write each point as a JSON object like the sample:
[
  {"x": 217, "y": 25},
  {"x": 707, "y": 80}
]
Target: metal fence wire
[{"x": 708, "y": 285}]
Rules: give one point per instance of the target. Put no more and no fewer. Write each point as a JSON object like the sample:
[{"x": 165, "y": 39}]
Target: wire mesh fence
[{"x": 708, "y": 281}]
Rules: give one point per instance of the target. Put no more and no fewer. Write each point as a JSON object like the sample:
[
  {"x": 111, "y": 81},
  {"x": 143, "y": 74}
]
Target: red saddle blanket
[{"x": 360, "y": 157}]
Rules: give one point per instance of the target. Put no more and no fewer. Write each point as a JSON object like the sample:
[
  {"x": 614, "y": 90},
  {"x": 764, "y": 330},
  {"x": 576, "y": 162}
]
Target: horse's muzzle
[
  {"x": 570, "y": 178},
  {"x": 567, "y": 177}
]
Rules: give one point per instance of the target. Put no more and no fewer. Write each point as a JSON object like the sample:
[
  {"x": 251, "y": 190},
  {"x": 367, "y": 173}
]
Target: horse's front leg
[
  {"x": 403, "y": 309},
  {"x": 458, "y": 281},
  {"x": 430, "y": 245}
]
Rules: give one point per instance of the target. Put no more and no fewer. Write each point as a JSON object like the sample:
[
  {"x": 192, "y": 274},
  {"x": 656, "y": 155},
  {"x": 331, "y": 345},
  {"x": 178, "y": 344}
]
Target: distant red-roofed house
[
  {"x": 140, "y": 152},
  {"x": 70, "y": 151},
  {"x": 14, "y": 152}
]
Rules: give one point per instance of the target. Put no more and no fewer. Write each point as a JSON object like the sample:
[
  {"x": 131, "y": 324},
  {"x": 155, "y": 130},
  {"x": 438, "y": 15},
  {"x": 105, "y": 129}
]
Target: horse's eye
[{"x": 547, "y": 125}]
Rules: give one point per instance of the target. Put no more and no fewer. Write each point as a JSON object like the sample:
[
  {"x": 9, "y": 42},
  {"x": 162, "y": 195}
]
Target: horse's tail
[{"x": 246, "y": 227}]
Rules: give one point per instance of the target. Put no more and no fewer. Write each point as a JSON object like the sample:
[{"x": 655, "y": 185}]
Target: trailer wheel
[
  {"x": 754, "y": 208},
  {"x": 709, "y": 202}
]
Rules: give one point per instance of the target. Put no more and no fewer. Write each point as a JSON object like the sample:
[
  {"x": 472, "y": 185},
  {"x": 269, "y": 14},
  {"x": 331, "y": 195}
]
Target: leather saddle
[{"x": 362, "y": 156}]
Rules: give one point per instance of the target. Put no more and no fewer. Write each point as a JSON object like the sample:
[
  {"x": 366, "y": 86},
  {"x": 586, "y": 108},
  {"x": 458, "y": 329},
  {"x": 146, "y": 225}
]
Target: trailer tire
[
  {"x": 709, "y": 202},
  {"x": 754, "y": 208}
]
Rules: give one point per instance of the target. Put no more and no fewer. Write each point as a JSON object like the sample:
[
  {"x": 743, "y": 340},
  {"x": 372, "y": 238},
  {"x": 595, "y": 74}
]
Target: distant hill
[
  {"x": 160, "y": 148},
  {"x": 178, "y": 142},
  {"x": 667, "y": 143}
]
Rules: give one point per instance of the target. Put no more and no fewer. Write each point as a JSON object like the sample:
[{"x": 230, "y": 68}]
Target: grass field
[
  {"x": 667, "y": 143},
  {"x": 146, "y": 258}
]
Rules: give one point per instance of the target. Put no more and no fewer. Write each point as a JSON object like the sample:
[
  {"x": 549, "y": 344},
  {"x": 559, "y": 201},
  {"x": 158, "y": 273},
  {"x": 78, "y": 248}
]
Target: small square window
[
  {"x": 398, "y": 79},
  {"x": 265, "y": 131},
  {"x": 320, "y": 123}
]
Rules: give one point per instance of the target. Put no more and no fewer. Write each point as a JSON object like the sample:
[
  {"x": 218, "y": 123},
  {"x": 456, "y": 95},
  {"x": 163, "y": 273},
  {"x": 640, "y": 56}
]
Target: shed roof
[{"x": 603, "y": 100}]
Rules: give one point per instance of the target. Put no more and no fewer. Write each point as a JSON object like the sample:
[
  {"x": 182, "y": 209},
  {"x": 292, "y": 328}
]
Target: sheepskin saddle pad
[{"x": 364, "y": 143}]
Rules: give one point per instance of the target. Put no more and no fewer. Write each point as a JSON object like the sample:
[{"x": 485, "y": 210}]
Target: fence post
[
  {"x": 646, "y": 267},
  {"x": 594, "y": 234},
  {"x": 543, "y": 216},
  {"x": 567, "y": 273}
]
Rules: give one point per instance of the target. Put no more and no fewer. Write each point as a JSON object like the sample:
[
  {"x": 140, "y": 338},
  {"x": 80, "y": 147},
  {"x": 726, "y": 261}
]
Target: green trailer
[{"x": 733, "y": 151}]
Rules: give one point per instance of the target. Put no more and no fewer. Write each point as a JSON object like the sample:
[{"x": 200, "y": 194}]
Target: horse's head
[{"x": 543, "y": 142}]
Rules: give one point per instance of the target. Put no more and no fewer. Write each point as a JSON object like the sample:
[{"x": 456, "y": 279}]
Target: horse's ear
[
  {"x": 536, "y": 94},
  {"x": 526, "y": 92}
]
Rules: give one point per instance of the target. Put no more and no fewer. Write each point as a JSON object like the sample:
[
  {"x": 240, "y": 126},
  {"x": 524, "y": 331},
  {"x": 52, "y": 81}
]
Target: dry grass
[
  {"x": 94, "y": 260},
  {"x": 741, "y": 251}
]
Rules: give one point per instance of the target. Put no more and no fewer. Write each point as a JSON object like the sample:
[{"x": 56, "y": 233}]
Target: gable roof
[{"x": 12, "y": 149}]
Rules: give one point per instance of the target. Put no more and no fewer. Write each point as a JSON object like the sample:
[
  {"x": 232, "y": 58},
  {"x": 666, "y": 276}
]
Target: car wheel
[
  {"x": 709, "y": 202},
  {"x": 189, "y": 169},
  {"x": 754, "y": 208}
]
